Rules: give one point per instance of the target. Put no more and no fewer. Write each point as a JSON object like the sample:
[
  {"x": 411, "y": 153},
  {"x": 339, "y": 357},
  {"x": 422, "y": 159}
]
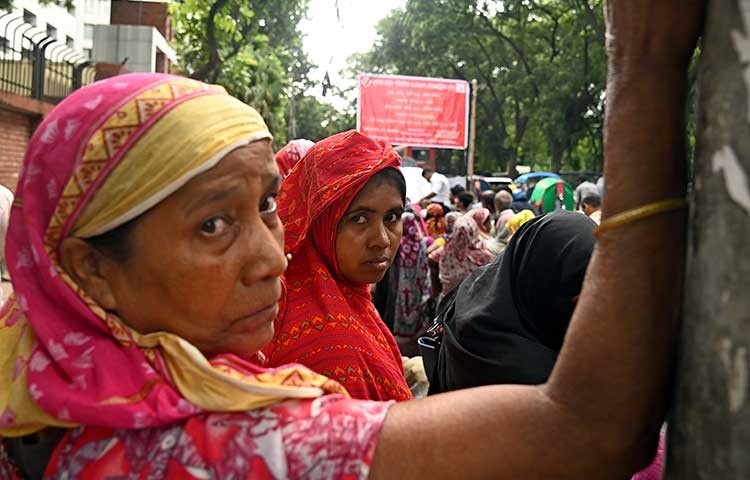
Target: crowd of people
[
  {"x": 447, "y": 235},
  {"x": 196, "y": 307}
]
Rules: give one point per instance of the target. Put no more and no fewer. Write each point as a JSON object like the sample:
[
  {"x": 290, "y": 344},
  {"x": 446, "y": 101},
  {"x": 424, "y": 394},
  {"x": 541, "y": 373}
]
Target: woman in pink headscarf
[
  {"x": 465, "y": 252},
  {"x": 483, "y": 218},
  {"x": 146, "y": 264},
  {"x": 291, "y": 153}
]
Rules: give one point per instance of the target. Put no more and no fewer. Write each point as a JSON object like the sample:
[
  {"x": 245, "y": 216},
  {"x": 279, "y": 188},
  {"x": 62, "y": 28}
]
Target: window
[
  {"x": 87, "y": 53},
  {"x": 51, "y": 31},
  {"x": 88, "y": 31},
  {"x": 69, "y": 42},
  {"x": 29, "y": 18},
  {"x": 4, "y": 44}
]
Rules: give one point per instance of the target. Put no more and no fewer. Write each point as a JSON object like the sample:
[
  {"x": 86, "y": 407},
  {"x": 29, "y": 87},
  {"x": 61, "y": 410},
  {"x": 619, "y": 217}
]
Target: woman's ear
[{"x": 83, "y": 263}]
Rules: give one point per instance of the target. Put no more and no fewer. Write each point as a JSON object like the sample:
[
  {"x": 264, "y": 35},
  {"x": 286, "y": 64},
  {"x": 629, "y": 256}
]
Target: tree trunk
[
  {"x": 556, "y": 152},
  {"x": 709, "y": 432}
]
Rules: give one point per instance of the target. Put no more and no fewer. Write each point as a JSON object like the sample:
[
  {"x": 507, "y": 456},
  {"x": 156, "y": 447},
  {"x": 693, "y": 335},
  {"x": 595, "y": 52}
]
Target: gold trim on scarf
[{"x": 174, "y": 150}]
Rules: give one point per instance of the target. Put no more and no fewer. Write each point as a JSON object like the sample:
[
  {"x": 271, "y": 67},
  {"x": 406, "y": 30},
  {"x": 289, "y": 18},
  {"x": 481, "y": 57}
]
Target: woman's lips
[
  {"x": 380, "y": 263},
  {"x": 263, "y": 315}
]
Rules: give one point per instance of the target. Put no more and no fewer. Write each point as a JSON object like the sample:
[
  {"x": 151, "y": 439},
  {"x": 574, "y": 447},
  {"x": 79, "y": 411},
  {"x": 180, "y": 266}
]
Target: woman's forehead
[{"x": 253, "y": 160}]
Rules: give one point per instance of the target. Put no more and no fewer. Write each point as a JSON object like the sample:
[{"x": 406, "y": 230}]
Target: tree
[
  {"x": 253, "y": 49},
  {"x": 540, "y": 66},
  {"x": 709, "y": 428},
  {"x": 315, "y": 120}
]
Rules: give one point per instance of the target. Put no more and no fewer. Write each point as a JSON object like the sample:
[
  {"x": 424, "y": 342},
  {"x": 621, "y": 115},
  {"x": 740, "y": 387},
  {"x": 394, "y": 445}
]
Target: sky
[{"x": 329, "y": 40}]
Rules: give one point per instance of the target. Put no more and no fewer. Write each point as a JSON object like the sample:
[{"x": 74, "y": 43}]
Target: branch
[
  {"x": 515, "y": 48},
  {"x": 593, "y": 21},
  {"x": 213, "y": 48},
  {"x": 487, "y": 79},
  {"x": 555, "y": 28}
]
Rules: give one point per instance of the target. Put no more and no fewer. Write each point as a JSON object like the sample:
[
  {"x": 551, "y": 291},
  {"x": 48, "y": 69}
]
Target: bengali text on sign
[{"x": 414, "y": 111}]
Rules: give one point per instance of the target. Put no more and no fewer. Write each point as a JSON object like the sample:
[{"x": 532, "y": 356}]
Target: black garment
[
  {"x": 31, "y": 454},
  {"x": 510, "y": 317},
  {"x": 386, "y": 293}
]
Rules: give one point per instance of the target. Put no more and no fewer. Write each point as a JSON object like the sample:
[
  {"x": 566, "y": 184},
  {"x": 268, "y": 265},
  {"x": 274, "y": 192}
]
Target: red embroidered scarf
[{"x": 326, "y": 322}]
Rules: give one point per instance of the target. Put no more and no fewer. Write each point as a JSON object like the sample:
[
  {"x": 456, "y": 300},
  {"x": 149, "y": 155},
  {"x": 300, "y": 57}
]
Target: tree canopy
[
  {"x": 540, "y": 65},
  {"x": 253, "y": 49}
]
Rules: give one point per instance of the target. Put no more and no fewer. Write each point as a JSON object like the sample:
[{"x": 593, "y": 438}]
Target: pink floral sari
[{"x": 65, "y": 362}]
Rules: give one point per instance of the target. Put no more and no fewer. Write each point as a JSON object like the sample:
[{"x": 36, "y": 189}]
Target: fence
[{"x": 36, "y": 65}]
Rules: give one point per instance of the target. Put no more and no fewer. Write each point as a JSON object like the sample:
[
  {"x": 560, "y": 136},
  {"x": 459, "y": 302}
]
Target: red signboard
[{"x": 414, "y": 111}]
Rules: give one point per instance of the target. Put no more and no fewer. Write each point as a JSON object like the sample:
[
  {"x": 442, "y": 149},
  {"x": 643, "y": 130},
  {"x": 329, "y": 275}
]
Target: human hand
[{"x": 652, "y": 34}]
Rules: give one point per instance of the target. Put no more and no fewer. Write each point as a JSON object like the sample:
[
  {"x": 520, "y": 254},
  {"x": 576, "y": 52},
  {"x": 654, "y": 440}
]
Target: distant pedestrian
[
  {"x": 591, "y": 206},
  {"x": 487, "y": 199},
  {"x": 583, "y": 190},
  {"x": 503, "y": 206},
  {"x": 464, "y": 201},
  {"x": 455, "y": 191},
  {"x": 440, "y": 188}
]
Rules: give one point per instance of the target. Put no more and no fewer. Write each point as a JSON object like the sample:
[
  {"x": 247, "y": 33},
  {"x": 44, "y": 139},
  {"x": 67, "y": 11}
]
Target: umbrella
[
  {"x": 530, "y": 176},
  {"x": 552, "y": 194}
]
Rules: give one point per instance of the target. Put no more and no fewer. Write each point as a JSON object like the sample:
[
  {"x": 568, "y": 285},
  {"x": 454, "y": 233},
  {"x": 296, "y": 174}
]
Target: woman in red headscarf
[{"x": 341, "y": 207}]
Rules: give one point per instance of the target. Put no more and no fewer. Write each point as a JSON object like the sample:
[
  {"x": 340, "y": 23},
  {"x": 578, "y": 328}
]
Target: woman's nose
[
  {"x": 379, "y": 237},
  {"x": 265, "y": 258}
]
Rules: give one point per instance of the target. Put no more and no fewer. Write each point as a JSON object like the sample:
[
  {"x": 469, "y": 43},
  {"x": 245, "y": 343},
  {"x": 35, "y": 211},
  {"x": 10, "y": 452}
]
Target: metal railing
[{"x": 33, "y": 64}]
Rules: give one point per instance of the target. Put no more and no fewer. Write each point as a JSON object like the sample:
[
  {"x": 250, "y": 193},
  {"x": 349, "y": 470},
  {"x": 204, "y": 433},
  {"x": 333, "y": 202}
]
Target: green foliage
[
  {"x": 253, "y": 49},
  {"x": 540, "y": 65},
  {"x": 314, "y": 120}
]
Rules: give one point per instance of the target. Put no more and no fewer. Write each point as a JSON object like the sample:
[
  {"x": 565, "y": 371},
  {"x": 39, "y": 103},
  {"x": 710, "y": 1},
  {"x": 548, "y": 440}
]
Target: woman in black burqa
[{"x": 510, "y": 317}]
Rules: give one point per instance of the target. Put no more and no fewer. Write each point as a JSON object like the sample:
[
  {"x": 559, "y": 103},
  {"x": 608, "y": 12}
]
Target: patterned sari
[
  {"x": 326, "y": 322},
  {"x": 98, "y": 160},
  {"x": 413, "y": 279},
  {"x": 464, "y": 253}
]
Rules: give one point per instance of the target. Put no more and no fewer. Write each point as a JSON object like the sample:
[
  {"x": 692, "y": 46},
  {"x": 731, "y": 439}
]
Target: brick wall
[
  {"x": 155, "y": 14},
  {"x": 15, "y": 132}
]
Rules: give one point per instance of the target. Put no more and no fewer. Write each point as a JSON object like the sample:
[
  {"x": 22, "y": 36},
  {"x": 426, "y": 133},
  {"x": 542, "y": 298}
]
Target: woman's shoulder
[{"x": 329, "y": 435}]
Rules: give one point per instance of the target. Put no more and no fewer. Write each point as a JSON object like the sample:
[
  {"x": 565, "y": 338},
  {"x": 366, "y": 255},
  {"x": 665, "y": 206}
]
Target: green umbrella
[{"x": 552, "y": 194}]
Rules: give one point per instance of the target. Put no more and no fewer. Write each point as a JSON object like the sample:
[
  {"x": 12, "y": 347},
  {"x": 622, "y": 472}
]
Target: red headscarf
[
  {"x": 291, "y": 153},
  {"x": 326, "y": 322}
]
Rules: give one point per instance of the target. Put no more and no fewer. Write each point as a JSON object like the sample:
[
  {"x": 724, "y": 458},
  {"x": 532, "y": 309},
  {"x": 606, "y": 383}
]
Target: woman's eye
[
  {"x": 214, "y": 226},
  {"x": 393, "y": 217},
  {"x": 359, "y": 220},
  {"x": 269, "y": 205}
]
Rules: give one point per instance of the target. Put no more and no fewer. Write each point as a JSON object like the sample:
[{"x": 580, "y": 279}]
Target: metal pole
[{"x": 472, "y": 134}]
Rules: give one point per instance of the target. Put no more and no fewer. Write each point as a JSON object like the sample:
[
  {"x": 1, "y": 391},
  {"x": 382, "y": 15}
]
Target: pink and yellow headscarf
[{"x": 106, "y": 154}]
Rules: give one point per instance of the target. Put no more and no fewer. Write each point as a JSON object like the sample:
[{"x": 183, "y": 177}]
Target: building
[
  {"x": 137, "y": 36},
  {"x": 46, "y": 52}
]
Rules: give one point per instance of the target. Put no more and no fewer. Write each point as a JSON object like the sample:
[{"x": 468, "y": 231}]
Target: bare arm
[
  {"x": 605, "y": 400},
  {"x": 426, "y": 199}
]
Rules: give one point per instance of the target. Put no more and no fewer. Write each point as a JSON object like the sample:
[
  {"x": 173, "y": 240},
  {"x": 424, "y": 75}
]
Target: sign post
[
  {"x": 472, "y": 135},
  {"x": 415, "y": 111}
]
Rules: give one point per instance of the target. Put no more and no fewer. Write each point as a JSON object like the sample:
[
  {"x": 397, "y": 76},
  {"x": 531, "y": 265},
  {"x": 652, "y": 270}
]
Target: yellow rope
[{"x": 639, "y": 213}]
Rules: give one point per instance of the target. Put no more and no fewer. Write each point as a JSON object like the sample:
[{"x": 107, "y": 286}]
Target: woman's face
[
  {"x": 206, "y": 261},
  {"x": 369, "y": 233}
]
